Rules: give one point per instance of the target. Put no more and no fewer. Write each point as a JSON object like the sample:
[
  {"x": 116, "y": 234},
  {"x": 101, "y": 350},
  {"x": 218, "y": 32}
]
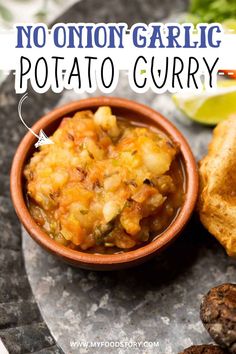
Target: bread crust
[{"x": 217, "y": 200}]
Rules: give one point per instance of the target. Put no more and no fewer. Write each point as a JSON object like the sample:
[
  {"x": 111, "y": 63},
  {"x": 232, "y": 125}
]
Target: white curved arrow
[{"x": 42, "y": 137}]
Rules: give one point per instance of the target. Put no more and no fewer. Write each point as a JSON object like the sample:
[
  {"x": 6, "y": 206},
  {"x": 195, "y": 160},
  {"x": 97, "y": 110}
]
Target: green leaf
[
  {"x": 22, "y": 0},
  {"x": 41, "y": 15},
  {"x": 212, "y": 10},
  {"x": 5, "y": 13}
]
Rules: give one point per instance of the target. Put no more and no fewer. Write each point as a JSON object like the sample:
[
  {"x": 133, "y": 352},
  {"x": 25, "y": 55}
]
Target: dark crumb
[
  {"x": 170, "y": 144},
  {"x": 204, "y": 349},
  {"x": 90, "y": 155},
  {"x": 82, "y": 173},
  {"x": 31, "y": 175},
  {"x": 54, "y": 195},
  {"x": 218, "y": 314},
  {"x": 96, "y": 184},
  {"x": 148, "y": 181},
  {"x": 70, "y": 136},
  {"x": 131, "y": 182}
]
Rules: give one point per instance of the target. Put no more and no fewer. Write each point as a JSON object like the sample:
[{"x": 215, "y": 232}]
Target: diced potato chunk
[
  {"x": 110, "y": 210},
  {"x": 122, "y": 240},
  {"x": 59, "y": 178},
  {"x": 107, "y": 121},
  {"x": 112, "y": 183},
  {"x": 94, "y": 151},
  {"x": 157, "y": 161},
  {"x": 130, "y": 218}
]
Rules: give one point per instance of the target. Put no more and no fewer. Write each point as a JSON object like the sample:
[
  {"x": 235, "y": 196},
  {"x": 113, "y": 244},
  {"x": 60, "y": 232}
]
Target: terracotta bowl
[{"x": 129, "y": 110}]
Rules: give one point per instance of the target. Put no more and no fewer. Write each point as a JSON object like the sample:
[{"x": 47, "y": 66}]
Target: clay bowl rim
[{"x": 78, "y": 257}]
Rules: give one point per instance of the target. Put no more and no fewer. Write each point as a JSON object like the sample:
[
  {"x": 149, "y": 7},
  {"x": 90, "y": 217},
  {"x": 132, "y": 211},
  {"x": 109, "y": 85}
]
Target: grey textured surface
[
  {"x": 158, "y": 301},
  {"x": 22, "y": 328}
]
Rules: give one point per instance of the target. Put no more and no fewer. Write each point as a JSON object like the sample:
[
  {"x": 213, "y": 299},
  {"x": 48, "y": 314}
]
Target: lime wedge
[{"x": 209, "y": 107}]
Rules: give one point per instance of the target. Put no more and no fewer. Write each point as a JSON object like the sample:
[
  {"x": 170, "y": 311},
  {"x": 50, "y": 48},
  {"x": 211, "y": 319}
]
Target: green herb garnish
[{"x": 212, "y": 10}]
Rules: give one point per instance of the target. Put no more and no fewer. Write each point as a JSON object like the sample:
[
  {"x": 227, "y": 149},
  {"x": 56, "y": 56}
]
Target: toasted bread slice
[{"x": 217, "y": 200}]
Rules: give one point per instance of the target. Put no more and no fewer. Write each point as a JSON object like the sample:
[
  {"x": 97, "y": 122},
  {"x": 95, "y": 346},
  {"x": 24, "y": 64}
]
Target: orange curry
[{"x": 105, "y": 185}]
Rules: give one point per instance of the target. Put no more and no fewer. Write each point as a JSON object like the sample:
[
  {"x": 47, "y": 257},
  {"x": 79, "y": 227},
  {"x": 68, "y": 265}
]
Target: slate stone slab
[
  {"x": 22, "y": 328},
  {"x": 157, "y": 302},
  {"x": 27, "y": 339},
  {"x": 19, "y": 313}
]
